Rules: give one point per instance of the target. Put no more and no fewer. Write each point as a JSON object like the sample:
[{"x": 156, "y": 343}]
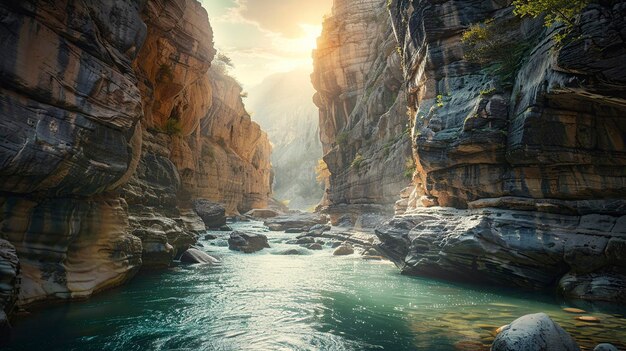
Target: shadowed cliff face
[
  {"x": 102, "y": 141},
  {"x": 545, "y": 144},
  {"x": 363, "y": 125}
]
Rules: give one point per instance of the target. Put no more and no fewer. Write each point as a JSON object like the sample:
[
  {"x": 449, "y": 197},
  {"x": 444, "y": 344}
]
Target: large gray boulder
[
  {"x": 247, "y": 242},
  {"x": 213, "y": 214},
  {"x": 534, "y": 332}
]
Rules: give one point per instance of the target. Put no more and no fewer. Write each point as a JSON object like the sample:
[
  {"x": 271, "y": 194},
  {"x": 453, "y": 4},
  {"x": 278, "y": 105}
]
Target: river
[{"x": 265, "y": 301}]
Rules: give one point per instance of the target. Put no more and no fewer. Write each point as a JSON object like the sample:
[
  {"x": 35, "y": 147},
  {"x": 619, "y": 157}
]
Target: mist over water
[{"x": 266, "y": 301}]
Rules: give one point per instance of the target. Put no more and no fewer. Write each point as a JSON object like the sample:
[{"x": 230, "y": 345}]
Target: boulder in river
[
  {"x": 292, "y": 252},
  {"x": 318, "y": 229},
  {"x": 343, "y": 250},
  {"x": 247, "y": 242},
  {"x": 197, "y": 256},
  {"x": 298, "y": 221},
  {"x": 305, "y": 240},
  {"x": 213, "y": 214},
  {"x": 314, "y": 246},
  {"x": 535, "y": 332}
]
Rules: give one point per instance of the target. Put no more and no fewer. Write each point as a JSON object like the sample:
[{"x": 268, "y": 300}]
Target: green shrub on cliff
[
  {"x": 563, "y": 11},
  {"x": 490, "y": 44},
  {"x": 357, "y": 162}
]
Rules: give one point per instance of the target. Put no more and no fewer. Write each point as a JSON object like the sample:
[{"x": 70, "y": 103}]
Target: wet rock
[
  {"x": 197, "y": 256},
  {"x": 213, "y": 214},
  {"x": 534, "y": 332},
  {"x": 370, "y": 252},
  {"x": 292, "y": 252},
  {"x": 262, "y": 213},
  {"x": 295, "y": 221},
  {"x": 334, "y": 244},
  {"x": 574, "y": 310},
  {"x": 226, "y": 228},
  {"x": 605, "y": 347},
  {"x": 343, "y": 250},
  {"x": 247, "y": 242},
  {"x": 318, "y": 229},
  {"x": 296, "y": 230},
  {"x": 315, "y": 246},
  {"x": 305, "y": 240},
  {"x": 210, "y": 237}
]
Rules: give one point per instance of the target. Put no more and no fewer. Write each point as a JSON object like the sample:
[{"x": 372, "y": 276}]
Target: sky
[{"x": 263, "y": 37}]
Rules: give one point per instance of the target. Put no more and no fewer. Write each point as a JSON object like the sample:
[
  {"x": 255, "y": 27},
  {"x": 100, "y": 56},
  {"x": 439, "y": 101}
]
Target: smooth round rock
[
  {"x": 343, "y": 250},
  {"x": 605, "y": 347},
  {"x": 536, "y": 332},
  {"x": 574, "y": 310}
]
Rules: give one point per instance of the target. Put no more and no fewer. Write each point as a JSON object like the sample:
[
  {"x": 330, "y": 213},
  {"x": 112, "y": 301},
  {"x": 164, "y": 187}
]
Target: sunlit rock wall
[
  {"x": 234, "y": 152},
  {"x": 363, "y": 123}
]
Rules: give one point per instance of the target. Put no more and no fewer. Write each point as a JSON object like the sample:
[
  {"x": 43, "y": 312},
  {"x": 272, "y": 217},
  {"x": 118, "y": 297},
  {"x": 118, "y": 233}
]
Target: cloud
[
  {"x": 264, "y": 37},
  {"x": 284, "y": 16}
]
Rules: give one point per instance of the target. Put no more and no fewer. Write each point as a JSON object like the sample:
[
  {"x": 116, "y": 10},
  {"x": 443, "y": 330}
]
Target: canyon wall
[
  {"x": 537, "y": 156},
  {"x": 106, "y": 111},
  {"x": 361, "y": 100}
]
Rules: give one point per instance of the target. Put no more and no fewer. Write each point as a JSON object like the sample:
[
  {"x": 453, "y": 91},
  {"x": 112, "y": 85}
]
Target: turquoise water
[{"x": 266, "y": 301}]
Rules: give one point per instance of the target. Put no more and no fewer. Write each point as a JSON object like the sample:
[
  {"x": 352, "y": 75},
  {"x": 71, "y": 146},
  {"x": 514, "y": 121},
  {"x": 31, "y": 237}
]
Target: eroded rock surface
[
  {"x": 525, "y": 249},
  {"x": 363, "y": 124}
]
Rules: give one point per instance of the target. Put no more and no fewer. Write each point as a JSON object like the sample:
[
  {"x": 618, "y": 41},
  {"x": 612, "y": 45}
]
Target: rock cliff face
[
  {"x": 544, "y": 146},
  {"x": 363, "y": 124},
  {"x": 70, "y": 111},
  {"x": 103, "y": 108}
]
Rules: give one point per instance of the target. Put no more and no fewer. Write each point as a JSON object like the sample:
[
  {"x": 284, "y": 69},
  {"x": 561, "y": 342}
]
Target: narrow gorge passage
[{"x": 439, "y": 175}]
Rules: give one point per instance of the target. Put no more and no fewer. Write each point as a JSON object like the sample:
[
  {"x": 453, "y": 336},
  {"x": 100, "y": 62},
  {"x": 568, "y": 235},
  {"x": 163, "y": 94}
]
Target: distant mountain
[{"x": 282, "y": 104}]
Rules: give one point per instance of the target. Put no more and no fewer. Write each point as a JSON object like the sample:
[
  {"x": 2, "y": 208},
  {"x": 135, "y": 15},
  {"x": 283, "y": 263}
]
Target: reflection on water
[{"x": 314, "y": 302}]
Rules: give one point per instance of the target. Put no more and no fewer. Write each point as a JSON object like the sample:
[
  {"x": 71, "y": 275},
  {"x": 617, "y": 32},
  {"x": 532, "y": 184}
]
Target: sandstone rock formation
[
  {"x": 544, "y": 141},
  {"x": 106, "y": 111},
  {"x": 363, "y": 125},
  {"x": 69, "y": 116}
]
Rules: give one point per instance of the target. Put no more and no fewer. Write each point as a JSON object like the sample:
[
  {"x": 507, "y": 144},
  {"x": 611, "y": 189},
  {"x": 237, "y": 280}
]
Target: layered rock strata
[
  {"x": 103, "y": 114},
  {"x": 363, "y": 125},
  {"x": 542, "y": 144},
  {"x": 69, "y": 115}
]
